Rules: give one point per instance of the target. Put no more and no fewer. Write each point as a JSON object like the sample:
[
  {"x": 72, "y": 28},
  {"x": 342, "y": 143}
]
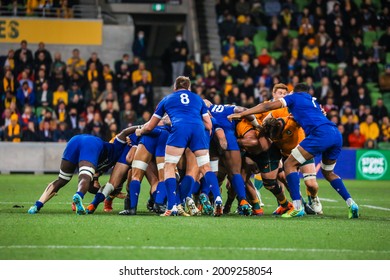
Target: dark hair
[
  {"x": 182, "y": 82},
  {"x": 301, "y": 88}
]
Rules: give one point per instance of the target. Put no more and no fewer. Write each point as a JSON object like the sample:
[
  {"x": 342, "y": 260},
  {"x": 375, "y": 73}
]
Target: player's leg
[
  {"x": 172, "y": 157},
  {"x": 66, "y": 172},
  {"x": 86, "y": 172},
  {"x": 233, "y": 164},
  {"x": 160, "y": 194},
  {"x": 327, "y": 168},
  {"x": 140, "y": 163},
  {"x": 308, "y": 170},
  {"x": 203, "y": 162},
  {"x": 186, "y": 185}
]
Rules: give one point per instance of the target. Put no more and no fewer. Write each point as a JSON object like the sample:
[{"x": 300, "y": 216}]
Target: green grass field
[{"x": 58, "y": 233}]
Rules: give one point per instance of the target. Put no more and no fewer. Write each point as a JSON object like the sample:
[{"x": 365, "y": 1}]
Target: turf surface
[{"x": 58, "y": 233}]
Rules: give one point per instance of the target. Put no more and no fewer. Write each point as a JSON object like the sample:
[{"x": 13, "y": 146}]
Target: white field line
[{"x": 184, "y": 248}]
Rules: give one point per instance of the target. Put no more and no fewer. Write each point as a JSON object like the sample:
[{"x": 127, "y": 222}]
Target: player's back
[
  {"x": 183, "y": 107},
  {"x": 220, "y": 113},
  {"x": 306, "y": 111}
]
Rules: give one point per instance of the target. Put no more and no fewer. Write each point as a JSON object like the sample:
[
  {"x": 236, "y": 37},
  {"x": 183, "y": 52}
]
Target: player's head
[
  {"x": 182, "y": 82},
  {"x": 301, "y": 88},
  {"x": 279, "y": 91},
  {"x": 273, "y": 128}
]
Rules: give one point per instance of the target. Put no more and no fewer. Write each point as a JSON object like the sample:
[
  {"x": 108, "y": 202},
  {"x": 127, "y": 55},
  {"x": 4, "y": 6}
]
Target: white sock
[
  {"x": 297, "y": 204},
  {"x": 349, "y": 202},
  {"x": 108, "y": 188}
]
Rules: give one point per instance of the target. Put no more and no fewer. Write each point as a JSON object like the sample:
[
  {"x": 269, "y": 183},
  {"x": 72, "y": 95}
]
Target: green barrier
[{"x": 372, "y": 165}]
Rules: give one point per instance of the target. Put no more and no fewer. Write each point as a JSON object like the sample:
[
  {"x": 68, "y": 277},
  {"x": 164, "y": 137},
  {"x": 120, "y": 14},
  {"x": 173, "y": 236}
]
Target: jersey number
[
  {"x": 184, "y": 98},
  {"x": 313, "y": 99},
  {"x": 218, "y": 108}
]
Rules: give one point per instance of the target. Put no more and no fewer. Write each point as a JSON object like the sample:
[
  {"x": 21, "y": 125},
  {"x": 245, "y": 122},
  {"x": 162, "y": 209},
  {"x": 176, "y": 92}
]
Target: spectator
[
  {"x": 47, "y": 55},
  {"x": 72, "y": 119},
  {"x": 242, "y": 7},
  {"x": 46, "y": 133},
  {"x": 61, "y": 111},
  {"x": 81, "y": 128},
  {"x": 311, "y": 51},
  {"x": 358, "y": 50},
  {"x": 322, "y": 92},
  {"x": 264, "y": 57},
  {"x": 96, "y": 60},
  {"x": 225, "y": 70},
  {"x": 8, "y": 82},
  {"x": 377, "y": 52},
  {"x": 179, "y": 52},
  {"x": 344, "y": 135},
  {"x": 76, "y": 63},
  {"x": 227, "y": 27},
  {"x": 246, "y": 29},
  {"x": 369, "y": 128},
  {"x": 23, "y": 56},
  {"x": 8, "y": 61},
  {"x": 348, "y": 116},
  {"x": 44, "y": 96},
  {"x": 243, "y": 69},
  {"x": 13, "y": 131},
  {"x": 247, "y": 48},
  {"x": 25, "y": 95},
  {"x": 64, "y": 10},
  {"x": 273, "y": 30},
  {"x": 30, "y": 134},
  {"x": 379, "y": 111},
  {"x": 230, "y": 49},
  {"x": 385, "y": 130},
  {"x": 340, "y": 52},
  {"x": 60, "y": 94},
  {"x": 58, "y": 71},
  {"x": 62, "y": 134},
  {"x": 384, "y": 80},
  {"x": 282, "y": 40},
  {"x": 192, "y": 68},
  {"x": 362, "y": 98},
  {"x": 322, "y": 70},
  {"x": 356, "y": 139},
  {"x": 93, "y": 94},
  {"x": 118, "y": 64},
  {"x": 136, "y": 76},
  {"x": 139, "y": 45}
]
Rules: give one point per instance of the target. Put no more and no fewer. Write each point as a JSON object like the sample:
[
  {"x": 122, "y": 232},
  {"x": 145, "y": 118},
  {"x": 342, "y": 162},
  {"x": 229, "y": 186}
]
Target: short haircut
[
  {"x": 279, "y": 86},
  {"x": 301, "y": 88},
  {"x": 182, "y": 82}
]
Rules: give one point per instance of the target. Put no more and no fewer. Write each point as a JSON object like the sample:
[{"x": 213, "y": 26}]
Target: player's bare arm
[{"x": 260, "y": 108}]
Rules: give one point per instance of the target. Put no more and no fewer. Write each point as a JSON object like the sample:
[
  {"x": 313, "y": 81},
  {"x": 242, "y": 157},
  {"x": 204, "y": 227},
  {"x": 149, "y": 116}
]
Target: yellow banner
[{"x": 51, "y": 31}]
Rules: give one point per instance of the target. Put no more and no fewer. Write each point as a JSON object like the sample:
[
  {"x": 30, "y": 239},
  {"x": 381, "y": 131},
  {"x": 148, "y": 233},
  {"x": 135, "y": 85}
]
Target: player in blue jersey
[
  {"x": 322, "y": 137},
  {"x": 90, "y": 155},
  {"x": 232, "y": 154},
  {"x": 190, "y": 123},
  {"x": 118, "y": 176}
]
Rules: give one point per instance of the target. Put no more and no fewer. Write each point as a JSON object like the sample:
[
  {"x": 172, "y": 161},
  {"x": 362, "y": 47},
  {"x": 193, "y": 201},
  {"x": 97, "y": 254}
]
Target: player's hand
[
  {"x": 236, "y": 116},
  {"x": 138, "y": 132}
]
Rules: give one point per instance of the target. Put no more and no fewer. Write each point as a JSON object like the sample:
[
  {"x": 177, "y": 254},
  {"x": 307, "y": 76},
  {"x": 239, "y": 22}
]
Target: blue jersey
[
  {"x": 306, "y": 111},
  {"x": 102, "y": 155},
  {"x": 220, "y": 113},
  {"x": 183, "y": 108}
]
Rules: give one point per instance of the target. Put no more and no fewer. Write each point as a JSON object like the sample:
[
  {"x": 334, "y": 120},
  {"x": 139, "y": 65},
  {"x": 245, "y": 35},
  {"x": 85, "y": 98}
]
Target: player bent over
[
  {"x": 89, "y": 154},
  {"x": 322, "y": 137}
]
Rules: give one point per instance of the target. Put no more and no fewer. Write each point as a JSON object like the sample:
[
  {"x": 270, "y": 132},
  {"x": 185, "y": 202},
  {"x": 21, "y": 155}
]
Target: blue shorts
[
  {"x": 325, "y": 140},
  {"x": 155, "y": 144},
  {"x": 83, "y": 148},
  {"x": 232, "y": 144},
  {"x": 122, "y": 158},
  {"x": 194, "y": 137}
]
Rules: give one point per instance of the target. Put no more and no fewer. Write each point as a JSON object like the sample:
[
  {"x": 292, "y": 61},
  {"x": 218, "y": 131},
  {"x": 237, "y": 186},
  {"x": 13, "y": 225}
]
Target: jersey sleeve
[
  {"x": 204, "y": 109},
  {"x": 160, "y": 110},
  {"x": 288, "y": 100}
]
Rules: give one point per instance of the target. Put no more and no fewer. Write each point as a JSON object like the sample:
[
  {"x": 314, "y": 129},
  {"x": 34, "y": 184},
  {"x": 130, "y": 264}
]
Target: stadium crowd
[{"x": 45, "y": 97}]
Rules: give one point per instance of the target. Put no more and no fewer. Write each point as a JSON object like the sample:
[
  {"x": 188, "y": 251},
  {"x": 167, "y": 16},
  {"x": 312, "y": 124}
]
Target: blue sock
[
  {"x": 195, "y": 187},
  {"x": 38, "y": 204},
  {"x": 154, "y": 194},
  {"x": 161, "y": 193},
  {"x": 170, "y": 183},
  {"x": 204, "y": 188},
  {"x": 81, "y": 194},
  {"x": 239, "y": 186},
  {"x": 212, "y": 181},
  {"x": 293, "y": 185},
  {"x": 339, "y": 186},
  {"x": 134, "y": 188},
  {"x": 99, "y": 197},
  {"x": 185, "y": 187}
]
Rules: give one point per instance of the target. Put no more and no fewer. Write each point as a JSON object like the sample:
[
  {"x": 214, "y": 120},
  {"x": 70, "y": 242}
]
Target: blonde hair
[
  {"x": 279, "y": 86},
  {"x": 182, "y": 82}
]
